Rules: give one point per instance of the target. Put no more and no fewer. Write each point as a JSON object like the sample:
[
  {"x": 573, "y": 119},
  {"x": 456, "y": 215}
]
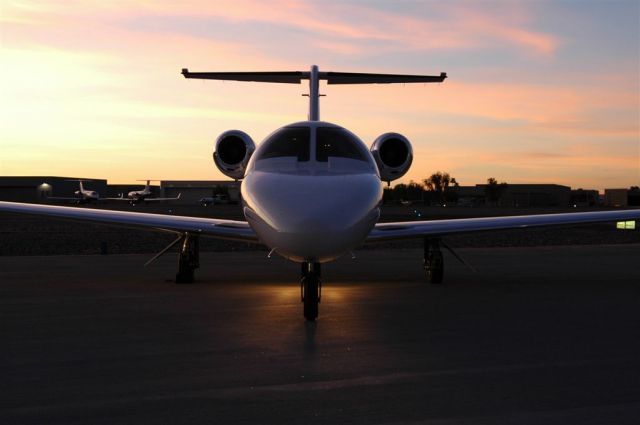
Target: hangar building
[
  {"x": 519, "y": 195},
  {"x": 38, "y": 188},
  {"x": 535, "y": 195}
]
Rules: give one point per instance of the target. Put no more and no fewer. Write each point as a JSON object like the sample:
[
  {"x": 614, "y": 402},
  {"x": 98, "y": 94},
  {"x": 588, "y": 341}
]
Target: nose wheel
[{"x": 310, "y": 289}]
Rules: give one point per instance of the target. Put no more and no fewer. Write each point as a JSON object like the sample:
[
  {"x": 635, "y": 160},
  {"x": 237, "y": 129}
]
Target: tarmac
[{"x": 545, "y": 335}]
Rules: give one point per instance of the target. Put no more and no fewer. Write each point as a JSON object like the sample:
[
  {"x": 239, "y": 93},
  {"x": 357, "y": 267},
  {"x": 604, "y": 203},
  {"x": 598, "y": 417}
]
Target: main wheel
[
  {"x": 310, "y": 284},
  {"x": 185, "y": 276},
  {"x": 434, "y": 267}
]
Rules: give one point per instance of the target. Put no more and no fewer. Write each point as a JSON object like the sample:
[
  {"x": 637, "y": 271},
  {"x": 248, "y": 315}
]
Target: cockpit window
[
  {"x": 287, "y": 142},
  {"x": 337, "y": 142}
]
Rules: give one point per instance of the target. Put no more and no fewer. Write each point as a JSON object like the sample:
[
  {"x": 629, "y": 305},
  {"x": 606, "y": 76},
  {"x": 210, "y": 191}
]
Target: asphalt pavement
[{"x": 546, "y": 335}]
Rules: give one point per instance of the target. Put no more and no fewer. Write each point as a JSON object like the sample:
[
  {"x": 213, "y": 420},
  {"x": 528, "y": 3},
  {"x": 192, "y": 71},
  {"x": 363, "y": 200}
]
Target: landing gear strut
[
  {"x": 433, "y": 261},
  {"x": 189, "y": 258},
  {"x": 310, "y": 289}
]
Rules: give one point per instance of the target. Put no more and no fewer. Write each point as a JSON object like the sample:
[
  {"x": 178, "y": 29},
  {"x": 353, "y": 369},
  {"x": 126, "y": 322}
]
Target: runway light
[{"x": 626, "y": 225}]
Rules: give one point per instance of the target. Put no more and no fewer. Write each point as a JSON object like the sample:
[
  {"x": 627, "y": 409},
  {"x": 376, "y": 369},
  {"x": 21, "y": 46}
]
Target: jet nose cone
[{"x": 312, "y": 216}]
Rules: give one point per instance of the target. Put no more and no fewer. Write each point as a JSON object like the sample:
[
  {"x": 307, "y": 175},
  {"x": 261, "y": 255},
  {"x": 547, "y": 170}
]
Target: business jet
[
  {"x": 312, "y": 191},
  {"x": 144, "y": 195},
  {"x": 81, "y": 196}
]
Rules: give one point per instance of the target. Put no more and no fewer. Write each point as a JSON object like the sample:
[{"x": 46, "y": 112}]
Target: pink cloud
[
  {"x": 341, "y": 29},
  {"x": 509, "y": 29}
]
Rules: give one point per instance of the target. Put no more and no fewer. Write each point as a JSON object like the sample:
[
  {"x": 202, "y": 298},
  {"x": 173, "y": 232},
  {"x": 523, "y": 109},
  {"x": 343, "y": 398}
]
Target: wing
[
  {"x": 415, "y": 229},
  {"x": 224, "y": 229},
  {"x": 161, "y": 199}
]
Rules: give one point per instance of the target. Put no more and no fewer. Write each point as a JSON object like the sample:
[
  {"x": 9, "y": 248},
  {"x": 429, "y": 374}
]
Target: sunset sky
[{"x": 538, "y": 92}]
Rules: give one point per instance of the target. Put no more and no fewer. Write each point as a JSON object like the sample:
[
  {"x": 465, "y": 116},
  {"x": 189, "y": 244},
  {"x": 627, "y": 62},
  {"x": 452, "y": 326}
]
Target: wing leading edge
[
  {"x": 415, "y": 229},
  {"x": 223, "y": 229}
]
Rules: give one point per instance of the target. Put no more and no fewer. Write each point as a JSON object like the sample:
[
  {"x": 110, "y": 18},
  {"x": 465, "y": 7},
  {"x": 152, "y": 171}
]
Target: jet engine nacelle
[
  {"x": 232, "y": 153},
  {"x": 393, "y": 154}
]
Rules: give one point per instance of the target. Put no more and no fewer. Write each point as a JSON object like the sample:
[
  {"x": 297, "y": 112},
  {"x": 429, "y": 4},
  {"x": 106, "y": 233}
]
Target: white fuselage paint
[
  {"x": 312, "y": 210},
  {"x": 87, "y": 195},
  {"x": 139, "y": 195}
]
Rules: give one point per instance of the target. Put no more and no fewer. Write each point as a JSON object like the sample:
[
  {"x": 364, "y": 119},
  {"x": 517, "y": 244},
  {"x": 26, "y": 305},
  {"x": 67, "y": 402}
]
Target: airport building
[
  {"x": 585, "y": 198},
  {"x": 633, "y": 197},
  {"x": 519, "y": 195},
  {"x": 616, "y": 197},
  {"x": 536, "y": 195},
  {"x": 38, "y": 188},
  {"x": 471, "y": 195}
]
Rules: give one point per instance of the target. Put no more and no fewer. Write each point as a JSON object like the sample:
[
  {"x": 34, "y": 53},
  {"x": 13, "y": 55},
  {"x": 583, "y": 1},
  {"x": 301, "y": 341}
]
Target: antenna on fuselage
[{"x": 314, "y": 76}]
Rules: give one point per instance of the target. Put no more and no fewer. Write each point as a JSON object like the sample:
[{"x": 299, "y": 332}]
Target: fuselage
[
  {"x": 312, "y": 191},
  {"x": 86, "y": 196},
  {"x": 138, "y": 194}
]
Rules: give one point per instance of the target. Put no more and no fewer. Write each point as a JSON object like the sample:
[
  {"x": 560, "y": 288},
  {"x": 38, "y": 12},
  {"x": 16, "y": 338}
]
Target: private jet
[
  {"x": 144, "y": 195},
  {"x": 81, "y": 196},
  {"x": 312, "y": 191}
]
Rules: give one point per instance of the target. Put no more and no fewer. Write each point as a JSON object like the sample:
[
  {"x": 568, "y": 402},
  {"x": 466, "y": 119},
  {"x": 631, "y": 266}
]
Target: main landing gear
[
  {"x": 310, "y": 289},
  {"x": 189, "y": 259},
  {"x": 433, "y": 261}
]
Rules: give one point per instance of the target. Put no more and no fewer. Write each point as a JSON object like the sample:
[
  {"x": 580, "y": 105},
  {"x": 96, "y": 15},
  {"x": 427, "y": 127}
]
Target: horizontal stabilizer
[
  {"x": 360, "y": 78},
  {"x": 295, "y": 77},
  {"x": 315, "y": 76},
  {"x": 291, "y": 77}
]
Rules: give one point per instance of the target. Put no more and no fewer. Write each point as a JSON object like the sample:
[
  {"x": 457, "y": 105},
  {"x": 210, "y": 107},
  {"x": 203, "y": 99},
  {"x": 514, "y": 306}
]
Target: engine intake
[
  {"x": 232, "y": 153},
  {"x": 393, "y": 155}
]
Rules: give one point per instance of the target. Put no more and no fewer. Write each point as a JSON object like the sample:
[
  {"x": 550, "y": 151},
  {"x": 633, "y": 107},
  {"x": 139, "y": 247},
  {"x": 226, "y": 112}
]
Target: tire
[
  {"x": 435, "y": 267},
  {"x": 310, "y": 283},
  {"x": 185, "y": 276}
]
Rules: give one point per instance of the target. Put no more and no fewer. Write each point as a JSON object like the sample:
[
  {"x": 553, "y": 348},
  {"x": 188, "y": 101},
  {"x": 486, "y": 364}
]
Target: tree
[
  {"x": 442, "y": 185},
  {"x": 494, "y": 190},
  {"x": 451, "y": 193},
  {"x": 406, "y": 192}
]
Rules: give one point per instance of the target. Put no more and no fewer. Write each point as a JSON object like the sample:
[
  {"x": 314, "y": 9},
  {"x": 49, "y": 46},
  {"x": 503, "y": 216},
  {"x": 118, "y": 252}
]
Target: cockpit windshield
[
  {"x": 287, "y": 142},
  {"x": 337, "y": 142}
]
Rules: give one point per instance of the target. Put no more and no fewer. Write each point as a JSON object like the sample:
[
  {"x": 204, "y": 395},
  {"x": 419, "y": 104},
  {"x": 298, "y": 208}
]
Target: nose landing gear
[
  {"x": 433, "y": 261},
  {"x": 310, "y": 289}
]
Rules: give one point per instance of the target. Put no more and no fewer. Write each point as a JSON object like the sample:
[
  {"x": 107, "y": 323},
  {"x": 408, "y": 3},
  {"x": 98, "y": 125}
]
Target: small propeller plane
[
  {"x": 312, "y": 191},
  {"x": 144, "y": 195}
]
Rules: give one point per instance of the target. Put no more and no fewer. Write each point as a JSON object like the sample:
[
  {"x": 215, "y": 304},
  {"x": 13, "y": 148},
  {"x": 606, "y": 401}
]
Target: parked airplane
[
  {"x": 312, "y": 191},
  {"x": 82, "y": 195},
  {"x": 136, "y": 196}
]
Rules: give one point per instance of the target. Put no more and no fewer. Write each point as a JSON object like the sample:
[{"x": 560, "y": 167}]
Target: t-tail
[
  {"x": 314, "y": 76},
  {"x": 80, "y": 181}
]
